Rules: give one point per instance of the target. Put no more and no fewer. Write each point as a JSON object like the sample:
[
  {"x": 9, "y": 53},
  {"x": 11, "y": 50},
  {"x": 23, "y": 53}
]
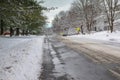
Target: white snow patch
[
  {"x": 104, "y": 35},
  {"x": 20, "y": 58}
]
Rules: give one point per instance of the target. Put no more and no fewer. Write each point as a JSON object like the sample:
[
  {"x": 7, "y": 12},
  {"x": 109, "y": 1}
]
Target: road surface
[{"x": 68, "y": 60}]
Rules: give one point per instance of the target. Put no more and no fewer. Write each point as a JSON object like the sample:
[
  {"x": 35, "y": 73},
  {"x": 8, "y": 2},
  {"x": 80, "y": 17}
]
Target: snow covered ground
[
  {"x": 20, "y": 58},
  {"x": 103, "y": 36},
  {"x": 106, "y": 42}
]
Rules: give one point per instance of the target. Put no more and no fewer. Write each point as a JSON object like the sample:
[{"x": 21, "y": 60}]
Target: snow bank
[
  {"x": 104, "y": 35},
  {"x": 20, "y": 58}
]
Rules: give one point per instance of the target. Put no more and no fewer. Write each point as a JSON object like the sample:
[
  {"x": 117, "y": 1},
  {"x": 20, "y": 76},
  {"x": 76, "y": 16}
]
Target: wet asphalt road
[{"x": 63, "y": 63}]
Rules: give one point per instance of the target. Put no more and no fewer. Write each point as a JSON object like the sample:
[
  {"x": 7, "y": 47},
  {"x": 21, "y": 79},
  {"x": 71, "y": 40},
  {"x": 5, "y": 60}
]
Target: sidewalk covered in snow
[{"x": 21, "y": 58}]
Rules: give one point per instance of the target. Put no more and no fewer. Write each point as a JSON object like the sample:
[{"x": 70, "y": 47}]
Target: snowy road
[
  {"x": 66, "y": 60},
  {"x": 20, "y": 58},
  {"x": 97, "y": 46},
  {"x": 33, "y": 58}
]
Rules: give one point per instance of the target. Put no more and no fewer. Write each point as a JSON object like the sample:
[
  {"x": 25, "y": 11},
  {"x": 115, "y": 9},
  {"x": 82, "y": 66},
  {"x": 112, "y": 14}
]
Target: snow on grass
[
  {"x": 104, "y": 35},
  {"x": 20, "y": 58}
]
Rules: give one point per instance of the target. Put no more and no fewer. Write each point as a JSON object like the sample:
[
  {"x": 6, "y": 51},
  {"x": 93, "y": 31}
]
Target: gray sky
[{"x": 61, "y": 4}]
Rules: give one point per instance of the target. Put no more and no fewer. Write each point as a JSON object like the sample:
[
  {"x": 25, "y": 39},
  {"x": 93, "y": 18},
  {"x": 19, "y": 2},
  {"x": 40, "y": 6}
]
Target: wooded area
[{"x": 21, "y": 17}]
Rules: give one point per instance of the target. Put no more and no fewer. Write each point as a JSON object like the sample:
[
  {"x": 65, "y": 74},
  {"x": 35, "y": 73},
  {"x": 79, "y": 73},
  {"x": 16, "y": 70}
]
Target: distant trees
[
  {"x": 21, "y": 16},
  {"x": 89, "y": 9},
  {"x": 84, "y": 13},
  {"x": 60, "y": 22},
  {"x": 55, "y": 24}
]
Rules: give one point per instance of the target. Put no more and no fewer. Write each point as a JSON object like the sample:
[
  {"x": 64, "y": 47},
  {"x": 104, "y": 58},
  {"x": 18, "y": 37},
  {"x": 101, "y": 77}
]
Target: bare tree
[
  {"x": 89, "y": 10},
  {"x": 61, "y": 22},
  {"x": 81, "y": 14},
  {"x": 55, "y": 24},
  {"x": 110, "y": 9},
  {"x": 86, "y": 8}
]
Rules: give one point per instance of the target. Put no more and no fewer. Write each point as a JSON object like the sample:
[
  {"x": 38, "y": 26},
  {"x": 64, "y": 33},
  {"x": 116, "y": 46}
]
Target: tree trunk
[
  {"x": 17, "y": 32},
  {"x": 82, "y": 29},
  {"x": 95, "y": 28},
  {"x": 1, "y": 27},
  {"x": 88, "y": 28},
  {"x": 11, "y": 31},
  {"x": 111, "y": 27}
]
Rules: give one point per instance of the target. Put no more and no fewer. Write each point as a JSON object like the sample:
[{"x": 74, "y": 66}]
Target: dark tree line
[{"x": 21, "y": 16}]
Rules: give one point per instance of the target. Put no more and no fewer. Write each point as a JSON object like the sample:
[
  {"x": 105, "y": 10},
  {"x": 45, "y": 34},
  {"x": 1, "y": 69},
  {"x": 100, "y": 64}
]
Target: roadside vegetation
[{"x": 21, "y": 17}]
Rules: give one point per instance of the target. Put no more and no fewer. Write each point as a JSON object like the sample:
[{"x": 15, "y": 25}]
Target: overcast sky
[{"x": 61, "y": 4}]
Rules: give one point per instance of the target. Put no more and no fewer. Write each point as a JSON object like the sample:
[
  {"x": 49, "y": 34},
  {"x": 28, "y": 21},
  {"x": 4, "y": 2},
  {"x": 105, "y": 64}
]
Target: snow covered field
[
  {"x": 20, "y": 58},
  {"x": 103, "y": 36}
]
